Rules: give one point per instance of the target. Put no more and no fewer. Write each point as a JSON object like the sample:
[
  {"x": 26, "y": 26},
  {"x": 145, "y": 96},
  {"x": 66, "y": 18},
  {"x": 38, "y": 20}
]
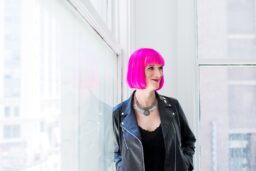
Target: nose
[{"x": 158, "y": 73}]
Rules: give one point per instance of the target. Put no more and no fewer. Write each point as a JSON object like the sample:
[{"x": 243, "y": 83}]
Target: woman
[{"x": 151, "y": 130}]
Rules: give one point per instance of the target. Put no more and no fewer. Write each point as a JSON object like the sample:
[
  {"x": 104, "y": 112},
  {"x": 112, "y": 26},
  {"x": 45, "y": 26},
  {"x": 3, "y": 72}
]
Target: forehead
[{"x": 154, "y": 65}]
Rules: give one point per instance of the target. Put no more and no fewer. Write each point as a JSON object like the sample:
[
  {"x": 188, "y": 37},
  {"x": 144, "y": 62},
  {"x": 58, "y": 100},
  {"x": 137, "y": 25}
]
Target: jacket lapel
[
  {"x": 129, "y": 121},
  {"x": 167, "y": 114}
]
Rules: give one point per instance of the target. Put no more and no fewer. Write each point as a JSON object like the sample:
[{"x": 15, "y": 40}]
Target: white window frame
[{"x": 91, "y": 16}]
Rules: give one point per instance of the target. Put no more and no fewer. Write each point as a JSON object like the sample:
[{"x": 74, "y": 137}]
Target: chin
[{"x": 153, "y": 88}]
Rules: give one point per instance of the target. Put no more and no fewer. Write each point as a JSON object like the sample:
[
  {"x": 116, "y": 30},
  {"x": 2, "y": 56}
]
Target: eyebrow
[{"x": 154, "y": 65}]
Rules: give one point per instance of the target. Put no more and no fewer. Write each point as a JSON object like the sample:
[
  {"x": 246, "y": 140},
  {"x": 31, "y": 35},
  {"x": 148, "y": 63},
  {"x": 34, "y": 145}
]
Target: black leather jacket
[{"x": 178, "y": 138}]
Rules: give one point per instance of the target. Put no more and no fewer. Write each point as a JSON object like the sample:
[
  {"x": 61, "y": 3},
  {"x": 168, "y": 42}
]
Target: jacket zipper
[{"x": 140, "y": 145}]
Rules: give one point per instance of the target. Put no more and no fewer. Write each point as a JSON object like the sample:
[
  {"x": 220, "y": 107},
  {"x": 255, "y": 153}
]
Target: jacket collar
[{"x": 129, "y": 121}]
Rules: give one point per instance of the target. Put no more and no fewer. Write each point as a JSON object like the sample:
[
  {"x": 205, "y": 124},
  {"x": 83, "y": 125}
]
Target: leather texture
[{"x": 179, "y": 140}]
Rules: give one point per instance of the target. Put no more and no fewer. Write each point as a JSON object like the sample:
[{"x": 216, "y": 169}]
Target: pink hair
[{"x": 140, "y": 59}]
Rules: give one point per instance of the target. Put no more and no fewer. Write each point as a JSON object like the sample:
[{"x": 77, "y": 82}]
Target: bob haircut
[{"x": 138, "y": 61}]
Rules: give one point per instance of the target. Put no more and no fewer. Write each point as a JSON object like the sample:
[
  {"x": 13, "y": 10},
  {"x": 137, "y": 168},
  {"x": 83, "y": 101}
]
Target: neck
[{"x": 145, "y": 97}]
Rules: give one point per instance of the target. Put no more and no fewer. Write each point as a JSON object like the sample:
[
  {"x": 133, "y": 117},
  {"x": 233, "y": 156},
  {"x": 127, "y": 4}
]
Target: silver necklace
[{"x": 145, "y": 110}]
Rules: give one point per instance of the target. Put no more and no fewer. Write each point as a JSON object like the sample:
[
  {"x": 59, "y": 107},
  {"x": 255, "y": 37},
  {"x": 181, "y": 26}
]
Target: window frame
[{"x": 87, "y": 12}]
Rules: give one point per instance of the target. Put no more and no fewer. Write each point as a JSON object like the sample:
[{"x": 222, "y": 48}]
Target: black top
[{"x": 154, "y": 151}]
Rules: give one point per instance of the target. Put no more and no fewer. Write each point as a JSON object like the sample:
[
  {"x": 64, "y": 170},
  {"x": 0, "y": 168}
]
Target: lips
[{"x": 156, "y": 80}]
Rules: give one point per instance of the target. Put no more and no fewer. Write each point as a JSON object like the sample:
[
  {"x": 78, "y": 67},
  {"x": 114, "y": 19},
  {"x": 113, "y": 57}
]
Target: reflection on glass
[
  {"x": 97, "y": 95},
  {"x": 227, "y": 118}
]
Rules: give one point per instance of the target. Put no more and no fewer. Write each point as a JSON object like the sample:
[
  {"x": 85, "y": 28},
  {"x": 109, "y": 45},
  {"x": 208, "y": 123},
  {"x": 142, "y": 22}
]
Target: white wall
[
  {"x": 169, "y": 26},
  {"x": 154, "y": 24}
]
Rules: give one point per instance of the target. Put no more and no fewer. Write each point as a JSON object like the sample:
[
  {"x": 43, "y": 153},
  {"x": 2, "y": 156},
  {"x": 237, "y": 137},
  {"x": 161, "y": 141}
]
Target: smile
[{"x": 155, "y": 80}]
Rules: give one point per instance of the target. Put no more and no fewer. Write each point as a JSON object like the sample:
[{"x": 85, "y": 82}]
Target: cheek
[{"x": 147, "y": 75}]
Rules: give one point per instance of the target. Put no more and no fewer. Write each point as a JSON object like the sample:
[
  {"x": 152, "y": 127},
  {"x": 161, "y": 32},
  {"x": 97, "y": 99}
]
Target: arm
[
  {"x": 187, "y": 138},
  {"x": 117, "y": 135}
]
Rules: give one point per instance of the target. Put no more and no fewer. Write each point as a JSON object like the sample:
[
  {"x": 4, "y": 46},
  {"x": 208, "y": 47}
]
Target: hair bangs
[{"x": 153, "y": 58}]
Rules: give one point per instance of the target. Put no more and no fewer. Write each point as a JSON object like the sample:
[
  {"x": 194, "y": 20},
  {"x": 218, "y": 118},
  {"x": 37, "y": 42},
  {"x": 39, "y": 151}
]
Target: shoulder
[
  {"x": 171, "y": 100},
  {"x": 118, "y": 108}
]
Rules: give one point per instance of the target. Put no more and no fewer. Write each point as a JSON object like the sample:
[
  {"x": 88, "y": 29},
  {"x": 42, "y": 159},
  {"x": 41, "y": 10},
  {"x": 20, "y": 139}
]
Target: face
[{"x": 153, "y": 75}]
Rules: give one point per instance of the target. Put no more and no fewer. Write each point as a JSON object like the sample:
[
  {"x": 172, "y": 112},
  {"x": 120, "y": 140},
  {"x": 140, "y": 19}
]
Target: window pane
[
  {"x": 97, "y": 96},
  {"x": 29, "y": 88},
  {"x": 7, "y": 111},
  {"x": 241, "y": 48},
  {"x": 227, "y": 118},
  {"x": 48, "y": 47},
  {"x": 89, "y": 91},
  {"x": 11, "y": 131},
  {"x": 227, "y": 29},
  {"x": 241, "y": 16}
]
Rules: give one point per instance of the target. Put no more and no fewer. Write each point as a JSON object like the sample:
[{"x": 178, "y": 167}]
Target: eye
[
  {"x": 160, "y": 68},
  {"x": 151, "y": 68}
]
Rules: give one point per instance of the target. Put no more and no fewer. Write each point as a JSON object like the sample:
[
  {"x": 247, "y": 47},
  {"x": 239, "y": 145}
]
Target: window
[
  {"x": 7, "y": 112},
  {"x": 241, "y": 150},
  {"x": 60, "y": 83},
  {"x": 241, "y": 17},
  {"x": 105, "y": 9},
  {"x": 11, "y": 83},
  {"x": 227, "y": 29},
  {"x": 228, "y": 117},
  {"x": 241, "y": 28},
  {"x": 103, "y": 16},
  {"x": 11, "y": 131},
  {"x": 16, "y": 111},
  {"x": 227, "y": 71},
  {"x": 11, "y": 111},
  {"x": 25, "y": 28}
]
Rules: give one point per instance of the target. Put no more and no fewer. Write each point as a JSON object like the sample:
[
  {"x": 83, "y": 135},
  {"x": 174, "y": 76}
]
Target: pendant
[{"x": 146, "y": 112}]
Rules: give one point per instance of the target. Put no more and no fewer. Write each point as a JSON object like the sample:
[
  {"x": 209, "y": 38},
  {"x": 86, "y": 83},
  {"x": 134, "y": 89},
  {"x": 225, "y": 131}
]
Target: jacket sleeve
[
  {"x": 117, "y": 135},
  {"x": 187, "y": 138}
]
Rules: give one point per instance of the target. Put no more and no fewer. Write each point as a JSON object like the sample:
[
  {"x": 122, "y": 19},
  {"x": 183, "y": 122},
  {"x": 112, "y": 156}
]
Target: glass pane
[
  {"x": 227, "y": 118},
  {"x": 97, "y": 97},
  {"x": 89, "y": 91},
  {"x": 227, "y": 29},
  {"x": 241, "y": 16},
  {"x": 35, "y": 45},
  {"x": 241, "y": 48},
  {"x": 29, "y": 89}
]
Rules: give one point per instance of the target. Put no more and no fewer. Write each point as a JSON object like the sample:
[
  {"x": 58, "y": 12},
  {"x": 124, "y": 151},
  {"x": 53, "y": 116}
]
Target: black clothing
[
  {"x": 153, "y": 147},
  {"x": 179, "y": 140}
]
